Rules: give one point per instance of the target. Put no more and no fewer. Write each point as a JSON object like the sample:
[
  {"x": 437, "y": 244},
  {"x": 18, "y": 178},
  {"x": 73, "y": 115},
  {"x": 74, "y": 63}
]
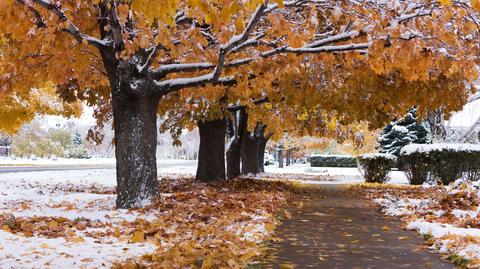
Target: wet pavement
[{"x": 338, "y": 229}]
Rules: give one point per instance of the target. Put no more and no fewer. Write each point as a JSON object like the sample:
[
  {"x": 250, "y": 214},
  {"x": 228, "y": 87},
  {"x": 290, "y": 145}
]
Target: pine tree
[
  {"x": 400, "y": 133},
  {"x": 77, "y": 139}
]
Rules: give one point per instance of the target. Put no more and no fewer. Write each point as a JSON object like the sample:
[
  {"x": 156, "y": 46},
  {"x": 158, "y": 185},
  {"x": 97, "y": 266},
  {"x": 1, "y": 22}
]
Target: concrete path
[{"x": 338, "y": 229}]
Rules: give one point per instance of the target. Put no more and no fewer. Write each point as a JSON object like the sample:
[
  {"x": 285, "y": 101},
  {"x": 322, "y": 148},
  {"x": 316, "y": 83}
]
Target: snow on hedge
[
  {"x": 377, "y": 156},
  {"x": 424, "y": 148}
]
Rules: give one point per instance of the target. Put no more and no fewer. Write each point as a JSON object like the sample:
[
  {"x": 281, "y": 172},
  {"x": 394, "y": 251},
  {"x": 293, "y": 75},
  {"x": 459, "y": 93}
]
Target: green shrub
[
  {"x": 445, "y": 162},
  {"x": 78, "y": 152},
  {"x": 376, "y": 167},
  {"x": 415, "y": 166},
  {"x": 333, "y": 161}
]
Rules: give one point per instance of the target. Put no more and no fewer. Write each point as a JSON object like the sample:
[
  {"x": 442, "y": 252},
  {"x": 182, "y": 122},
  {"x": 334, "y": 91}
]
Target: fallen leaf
[
  {"x": 78, "y": 240},
  {"x": 137, "y": 237}
]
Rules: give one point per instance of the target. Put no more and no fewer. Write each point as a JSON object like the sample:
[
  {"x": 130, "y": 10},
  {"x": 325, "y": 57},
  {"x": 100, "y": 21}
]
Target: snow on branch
[
  {"x": 347, "y": 47},
  {"x": 176, "y": 84},
  {"x": 419, "y": 13},
  {"x": 333, "y": 39},
  {"x": 262, "y": 100},
  {"x": 238, "y": 40},
  {"x": 71, "y": 28}
]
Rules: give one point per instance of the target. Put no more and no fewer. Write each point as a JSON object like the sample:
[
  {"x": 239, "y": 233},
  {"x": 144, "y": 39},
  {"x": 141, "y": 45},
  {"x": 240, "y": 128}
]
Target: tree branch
[
  {"x": 71, "y": 28},
  {"x": 238, "y": 40}
]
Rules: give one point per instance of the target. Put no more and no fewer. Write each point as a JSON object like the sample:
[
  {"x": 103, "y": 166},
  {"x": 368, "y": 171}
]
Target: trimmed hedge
[
  {"x": 376, "y": 167},
  {"x": 415, "y": 166},
  {"x": 333, "y": 161},
  {"x": 443, "y": 162}
]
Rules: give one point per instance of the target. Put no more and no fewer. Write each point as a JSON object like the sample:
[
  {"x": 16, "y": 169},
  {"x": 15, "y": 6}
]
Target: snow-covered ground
[
  {"x": 67, "y": 218},
  {"x": 305, "y": 174},
  {"x": 7, "y": 161},
  {"x": 449, "y": 215},
  {"x": 64, "y": 201}
]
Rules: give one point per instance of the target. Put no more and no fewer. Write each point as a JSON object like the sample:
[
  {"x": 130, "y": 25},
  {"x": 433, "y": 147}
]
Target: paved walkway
[{"x": 339, "y": 230}]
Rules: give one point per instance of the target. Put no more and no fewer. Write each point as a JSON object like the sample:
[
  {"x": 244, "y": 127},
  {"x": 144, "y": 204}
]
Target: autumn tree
[{"x": 127, "y": 56}]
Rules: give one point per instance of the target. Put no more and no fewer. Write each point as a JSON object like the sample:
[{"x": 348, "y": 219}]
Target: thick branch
[
  {"x": 259, "y": 101},
  {"x": 172, "y": 85},
  {"x": 71, "y": 28},
  {"x": 238, "y": 40}
]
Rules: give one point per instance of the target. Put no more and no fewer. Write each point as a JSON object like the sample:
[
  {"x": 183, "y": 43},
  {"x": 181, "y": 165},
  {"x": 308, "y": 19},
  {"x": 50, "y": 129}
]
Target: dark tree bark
[
  {"x": 135, "y": 123},
  {"x": 289, "y": 152},
  {"x": 437, "y": 126},
  {"x": 253, "y": 150},
  {"x": 249, "y": 152},
  {"x": 262, "y": 143},
  {"x": 261, "y": 156},
  {"x": 235, "y": 132},
  {"x": 280, "y": 156},
  {"x": 211, "y": 155}
]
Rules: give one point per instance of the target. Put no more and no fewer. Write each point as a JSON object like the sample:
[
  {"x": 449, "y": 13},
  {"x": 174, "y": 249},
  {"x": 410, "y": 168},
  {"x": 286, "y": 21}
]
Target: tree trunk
[
  {"x": 280, "y": 157},
  {"x": 211, "y": 155},
  {"x": 249, "y": 152},
  {"x": 261, "y": 155},
  {"x": 235, "y": 132},
  {"x": 437, "y": 125},
  {"x": 135, "y": 123},
  {"x": 288, "y": 157}
]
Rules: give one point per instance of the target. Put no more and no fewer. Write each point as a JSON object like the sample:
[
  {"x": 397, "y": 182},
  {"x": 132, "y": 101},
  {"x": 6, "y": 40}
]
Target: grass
[{"x": 458, "y": 261}]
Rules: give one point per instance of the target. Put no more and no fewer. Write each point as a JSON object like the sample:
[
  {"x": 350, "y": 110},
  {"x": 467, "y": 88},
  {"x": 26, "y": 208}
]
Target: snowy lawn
[
  {"x": 447, "y": 216},
  {"x": 67, "y": 219}
]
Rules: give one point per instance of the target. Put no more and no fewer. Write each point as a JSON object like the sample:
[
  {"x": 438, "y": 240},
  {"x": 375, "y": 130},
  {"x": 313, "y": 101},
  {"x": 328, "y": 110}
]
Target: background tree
[{"x": 398, "y": 134}]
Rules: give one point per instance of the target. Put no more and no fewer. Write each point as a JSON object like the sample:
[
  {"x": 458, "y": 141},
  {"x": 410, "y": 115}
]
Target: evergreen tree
[
  {"x": 77, "y": 139},
  {"x": 400, "y": 133}
]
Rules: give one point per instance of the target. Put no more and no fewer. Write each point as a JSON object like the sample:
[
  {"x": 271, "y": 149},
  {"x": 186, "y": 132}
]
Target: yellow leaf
[
  {"x": 239, "y": 25},
  {"x": 287, "y": 265},
  {"x": 78, "y": 240},
  {"x": 445, "y": 2},
  {"x": 44, "y": 245},
  {"x": 476, "y": 5},
  {"x": 116, "y": 232},
  {"x": 53, "y": 224},
  {"x": 280, "y": 3},
  {"x": 269, "y": 227},
  {"x": 137, "y": 237}
]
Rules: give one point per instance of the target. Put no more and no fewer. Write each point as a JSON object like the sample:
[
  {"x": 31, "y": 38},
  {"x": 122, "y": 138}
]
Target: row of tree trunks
[
  {"x": 253, "y": 150},
  {"x": 245, "y": 151}
]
